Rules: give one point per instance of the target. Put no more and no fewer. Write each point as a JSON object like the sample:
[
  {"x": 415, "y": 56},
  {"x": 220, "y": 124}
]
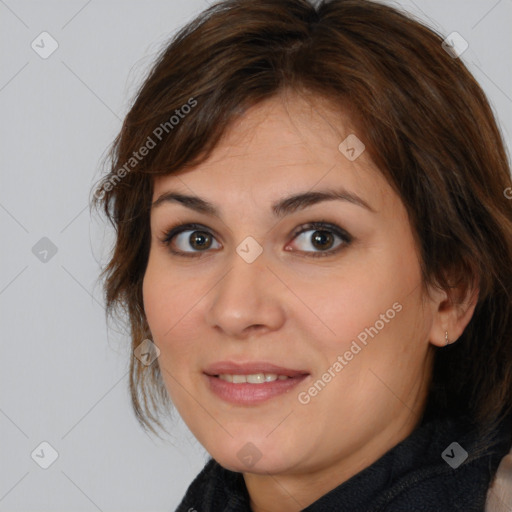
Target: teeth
[{"x": 255, "y": 378}]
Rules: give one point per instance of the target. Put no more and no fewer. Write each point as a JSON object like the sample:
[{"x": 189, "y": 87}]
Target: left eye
[{"x": 322, "y": 238}]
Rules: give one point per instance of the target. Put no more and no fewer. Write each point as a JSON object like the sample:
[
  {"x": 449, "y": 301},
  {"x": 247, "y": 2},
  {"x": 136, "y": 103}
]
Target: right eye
[{"x": 189, "y": 236}]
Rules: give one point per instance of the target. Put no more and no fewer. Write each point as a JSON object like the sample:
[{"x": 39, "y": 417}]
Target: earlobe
[{"x": 451, "y": 317}]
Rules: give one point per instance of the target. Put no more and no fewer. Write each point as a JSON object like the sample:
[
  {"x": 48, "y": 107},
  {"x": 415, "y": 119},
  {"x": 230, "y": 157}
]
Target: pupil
[
  {"x": 200, "y": 240},
  {"x": 322, "y": 239}
]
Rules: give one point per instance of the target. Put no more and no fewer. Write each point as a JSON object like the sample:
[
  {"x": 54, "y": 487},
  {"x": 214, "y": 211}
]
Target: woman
[{"x": 314, "y": 239}]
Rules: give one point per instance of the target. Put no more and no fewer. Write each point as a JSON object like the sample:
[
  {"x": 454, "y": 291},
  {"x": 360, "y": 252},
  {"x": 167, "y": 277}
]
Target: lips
[
  {"x": 231, "y": 368},
  {"x": 251, "y": 390}
]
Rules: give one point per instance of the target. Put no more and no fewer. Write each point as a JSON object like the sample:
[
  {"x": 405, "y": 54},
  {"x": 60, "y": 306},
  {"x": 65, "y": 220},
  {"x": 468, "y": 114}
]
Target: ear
[{"x": 452, "y": 310}]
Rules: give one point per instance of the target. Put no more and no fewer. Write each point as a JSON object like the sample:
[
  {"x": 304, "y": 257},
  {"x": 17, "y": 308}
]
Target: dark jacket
[{"x": 423, "y": 473}]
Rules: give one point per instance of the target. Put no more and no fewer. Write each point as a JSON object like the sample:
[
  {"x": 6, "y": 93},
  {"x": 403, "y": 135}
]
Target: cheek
[
  {"x": 358, "y": 302},
  {"x": 156, "y": 297},
  {"x": 164, "y": 299},
  {"x": 375, "y": 302},
  {"x": 170, "y": 301}
]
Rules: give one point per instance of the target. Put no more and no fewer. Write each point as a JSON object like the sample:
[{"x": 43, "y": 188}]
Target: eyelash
[{"x": 316, "y": 225}]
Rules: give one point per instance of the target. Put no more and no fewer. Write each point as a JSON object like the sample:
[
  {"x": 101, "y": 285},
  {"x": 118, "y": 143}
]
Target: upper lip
[{"x": 231, "y": 368}]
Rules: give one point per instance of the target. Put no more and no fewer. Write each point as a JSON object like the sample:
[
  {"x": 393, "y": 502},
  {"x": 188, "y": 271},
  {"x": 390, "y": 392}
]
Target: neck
[{"x": 294, "y": 491}]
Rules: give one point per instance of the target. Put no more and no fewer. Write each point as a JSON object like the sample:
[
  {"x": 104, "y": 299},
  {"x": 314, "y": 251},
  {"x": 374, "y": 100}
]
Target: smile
[{"x": 251, "y": 383}]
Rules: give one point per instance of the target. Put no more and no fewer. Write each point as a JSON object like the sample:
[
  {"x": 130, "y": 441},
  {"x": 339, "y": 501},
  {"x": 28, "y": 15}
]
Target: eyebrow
[{"x": 279, "y": 209}]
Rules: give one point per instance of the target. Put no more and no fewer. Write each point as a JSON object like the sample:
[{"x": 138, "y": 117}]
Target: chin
[
  {"x": 257, "y": 456},
  {"x": 264, "y": 466}
]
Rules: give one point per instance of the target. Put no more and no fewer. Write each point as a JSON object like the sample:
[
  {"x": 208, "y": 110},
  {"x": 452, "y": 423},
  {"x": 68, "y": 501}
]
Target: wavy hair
[{"x": 425, "y": 122}]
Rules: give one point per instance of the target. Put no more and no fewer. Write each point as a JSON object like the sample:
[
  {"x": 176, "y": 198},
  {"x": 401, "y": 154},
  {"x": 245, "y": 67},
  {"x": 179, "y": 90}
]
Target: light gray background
[{"x": 63, "y": 376}]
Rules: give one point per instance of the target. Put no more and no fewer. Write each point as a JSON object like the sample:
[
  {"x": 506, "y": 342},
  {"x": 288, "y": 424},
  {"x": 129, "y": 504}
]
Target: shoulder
[
  {"x": 457, "y": 471},
  {"x": 499, "y": 496}
]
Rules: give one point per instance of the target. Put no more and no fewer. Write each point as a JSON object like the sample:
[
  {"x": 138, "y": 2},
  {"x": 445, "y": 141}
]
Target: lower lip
[{"x": 251, "y": 394}]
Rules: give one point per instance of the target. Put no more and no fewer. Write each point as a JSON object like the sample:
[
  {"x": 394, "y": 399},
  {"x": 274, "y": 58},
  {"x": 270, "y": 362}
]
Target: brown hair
[{"x": 423, "y": 118}]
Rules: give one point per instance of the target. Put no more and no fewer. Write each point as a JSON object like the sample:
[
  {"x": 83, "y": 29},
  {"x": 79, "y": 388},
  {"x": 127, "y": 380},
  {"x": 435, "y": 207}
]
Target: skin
[{"x": 293, "y": 309}]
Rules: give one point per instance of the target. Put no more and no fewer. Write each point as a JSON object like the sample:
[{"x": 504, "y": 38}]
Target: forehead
[{"x": 283, "y": 146}]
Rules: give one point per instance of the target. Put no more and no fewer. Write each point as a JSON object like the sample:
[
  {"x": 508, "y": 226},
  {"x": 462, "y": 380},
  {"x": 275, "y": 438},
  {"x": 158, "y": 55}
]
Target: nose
[{"x": 248, "y": 299}]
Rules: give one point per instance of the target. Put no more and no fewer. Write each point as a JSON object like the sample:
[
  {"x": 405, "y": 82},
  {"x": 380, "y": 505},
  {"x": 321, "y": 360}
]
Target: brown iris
[{"x": 200, "y": 240}]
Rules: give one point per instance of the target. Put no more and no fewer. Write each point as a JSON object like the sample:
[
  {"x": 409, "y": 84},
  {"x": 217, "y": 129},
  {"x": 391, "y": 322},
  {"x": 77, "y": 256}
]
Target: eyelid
[
  {"x": 322, "y": 225},
  {"x": 179, "y": 227}
]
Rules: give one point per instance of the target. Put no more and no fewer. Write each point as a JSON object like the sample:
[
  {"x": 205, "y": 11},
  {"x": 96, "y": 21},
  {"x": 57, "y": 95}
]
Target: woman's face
[{"x": 253, "y": 291}]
